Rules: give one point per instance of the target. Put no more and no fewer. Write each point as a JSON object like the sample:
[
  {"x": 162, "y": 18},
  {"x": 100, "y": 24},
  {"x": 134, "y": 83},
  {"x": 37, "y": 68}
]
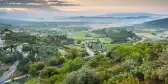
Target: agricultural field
[
  {"x": 80, "y": 47},
  {"x": 88, "y": 37},
  {"x": 152, "y": 34},
  {"x": 79, "y": 35},
  {"x": 105, "y": 40}
]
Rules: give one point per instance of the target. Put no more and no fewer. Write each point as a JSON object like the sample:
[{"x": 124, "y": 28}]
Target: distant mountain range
[
  {"x": 121, "y": 16},
  {"x": 109, "y": 17},
  {"x": 23, "y": 16},
  {"x": 114, "y": 19},
  {"x": 160, "y": 23},
  {"x": 131, "y": 15}
]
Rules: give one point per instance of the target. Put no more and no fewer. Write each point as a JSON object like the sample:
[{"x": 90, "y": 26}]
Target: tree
[
  {"x": 36, "y": 68},
  {"x": 53, "y": 62},
  {"x": 73, "y": 53},
  {"x": 11, "y": 47},
  {"x": 47, "y": 72},
  {"x": 98, "y": 60},
  {"x": 24, "y": 65},
  {"x": 32, "y": 71},
  {"x": 83, "y": 76},
  {"x": 40, "y": 66},
  {"x": 13, "y": 58},
  {"x": 26, "y": 47},
  {"x": 72, "y": 65},
  {"x": 112, "y": 56},
  {"x": 56, "y": 61}
]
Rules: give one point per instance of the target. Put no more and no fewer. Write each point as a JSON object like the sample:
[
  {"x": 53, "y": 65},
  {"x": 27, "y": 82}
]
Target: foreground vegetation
[
  {"x": 143, "y": 63},
  {"x": 58, "y": 59}
]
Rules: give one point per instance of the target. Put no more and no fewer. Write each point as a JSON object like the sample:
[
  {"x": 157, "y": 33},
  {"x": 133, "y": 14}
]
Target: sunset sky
[{"x": 70, "y": 7}]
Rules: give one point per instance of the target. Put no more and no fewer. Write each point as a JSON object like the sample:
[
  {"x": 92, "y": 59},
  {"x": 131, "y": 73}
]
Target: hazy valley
[{"x": 116, "y": 48}]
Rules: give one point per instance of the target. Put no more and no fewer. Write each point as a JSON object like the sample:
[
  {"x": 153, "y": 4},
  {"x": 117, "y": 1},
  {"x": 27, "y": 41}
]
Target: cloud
[
  {"x": 86, "y": 5},
  {"x": 34, "y": 4}
]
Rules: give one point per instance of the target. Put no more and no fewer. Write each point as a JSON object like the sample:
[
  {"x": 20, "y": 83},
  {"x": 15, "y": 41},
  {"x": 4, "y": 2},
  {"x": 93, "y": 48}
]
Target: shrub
[
  {"x": 83, "y": 76},
  {"x": 72, "y": 65},
  {"x": 40, "y": 66},
  {"x": 48, "y": 72},
  {"x": 130, "y": 80},
  {"x": 98, "y": 60},
  {"x": 116, "y": 79},
  {"x": 56, "y": 61}
]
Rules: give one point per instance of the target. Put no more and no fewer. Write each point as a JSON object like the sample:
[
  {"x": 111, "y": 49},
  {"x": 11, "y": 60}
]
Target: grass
[
  {"x": 110, "y": 46},
  {"x": 74, "y": 46}
]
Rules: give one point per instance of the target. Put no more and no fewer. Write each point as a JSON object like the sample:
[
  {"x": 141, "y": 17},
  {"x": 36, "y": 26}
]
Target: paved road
[
  {"x": 13, "y": 68},
  {"x": 8, "y": 73},
  {"x": 91, "y": 53},
  {"x": 16, "y": 78}
]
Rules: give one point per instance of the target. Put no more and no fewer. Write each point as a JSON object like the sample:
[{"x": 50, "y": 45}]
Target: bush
[
  {"x": 56, "y": 79},
  {"x": 130, "y": 80},
  {"x": 83, "y": 76},
  {"x": 56, "y": 62},
  {"x": 98, "y": 60},
  {"x": 147, "y": 69},
  {"x": 116, "y": 79},
  {"x": 53, "y": 62},
  {"x": 48, "y": 72},
  {"x": 73, "y": 53},
  {"x": 72, "y": 65},
  {"x": 40, "y": 66},
  {"x": 32, "y": 71},
  {"x": 35, "y": 69},
  {"x": 129, "y": 64},
  {"x": 162, "y": 72}
]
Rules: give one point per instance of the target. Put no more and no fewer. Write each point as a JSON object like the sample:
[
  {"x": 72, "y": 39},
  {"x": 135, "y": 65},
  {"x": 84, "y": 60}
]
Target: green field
[
  {"x": 83, "y": 35},
  {"x": 77, "y": 35},
  {"x": 110, "y": 46}
]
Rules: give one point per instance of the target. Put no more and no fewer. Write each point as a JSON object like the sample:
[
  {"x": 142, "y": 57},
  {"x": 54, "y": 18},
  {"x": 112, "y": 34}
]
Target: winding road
[
  {"x": 17, "y": 78},
  {"x": 12, "y": 69},
  {"x": 88, "y": 50},
  {"x": 8, "y": 73}
]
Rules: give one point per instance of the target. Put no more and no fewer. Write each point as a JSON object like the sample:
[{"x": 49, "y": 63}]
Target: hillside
[
  {"x": 118, "y": 35},
  {"x": 160, "y": 23}
]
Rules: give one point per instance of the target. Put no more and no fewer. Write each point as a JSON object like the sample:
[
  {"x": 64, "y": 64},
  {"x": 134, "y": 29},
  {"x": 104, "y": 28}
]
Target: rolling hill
[{"x": 160, "y": 23}]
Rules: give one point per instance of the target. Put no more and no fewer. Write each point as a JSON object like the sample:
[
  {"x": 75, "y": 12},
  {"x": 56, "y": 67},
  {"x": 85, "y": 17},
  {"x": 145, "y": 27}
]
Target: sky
[{"x": 83, "y": 7}]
